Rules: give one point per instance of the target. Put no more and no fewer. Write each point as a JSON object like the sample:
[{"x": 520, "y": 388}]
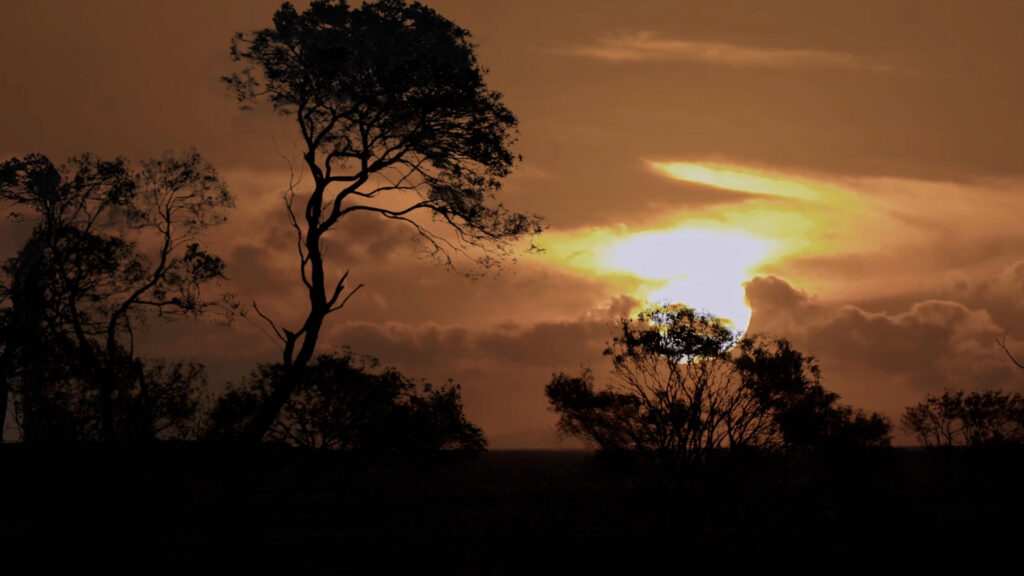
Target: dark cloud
[{"x": 887, "y": 361}]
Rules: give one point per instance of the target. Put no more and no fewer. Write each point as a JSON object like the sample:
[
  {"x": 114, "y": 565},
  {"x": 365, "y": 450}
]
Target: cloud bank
[{"x": 888, "y": 360}]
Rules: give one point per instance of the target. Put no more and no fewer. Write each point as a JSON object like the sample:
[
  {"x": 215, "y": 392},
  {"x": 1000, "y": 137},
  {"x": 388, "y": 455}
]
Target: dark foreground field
[{"x": 187, "y": 509}]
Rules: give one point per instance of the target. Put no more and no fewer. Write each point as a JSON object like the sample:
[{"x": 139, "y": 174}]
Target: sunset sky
[{"x": 845, "y": 174}]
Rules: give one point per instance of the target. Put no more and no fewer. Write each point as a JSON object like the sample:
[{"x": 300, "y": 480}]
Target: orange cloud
[{"x": 649, "y": 46}]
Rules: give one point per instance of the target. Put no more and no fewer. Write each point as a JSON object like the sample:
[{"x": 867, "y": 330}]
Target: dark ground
[{"x": 195, "y": 509}]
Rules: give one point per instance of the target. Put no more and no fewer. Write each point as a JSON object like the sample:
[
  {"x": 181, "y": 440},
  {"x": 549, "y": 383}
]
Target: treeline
[{"x": 113, "y": 247}]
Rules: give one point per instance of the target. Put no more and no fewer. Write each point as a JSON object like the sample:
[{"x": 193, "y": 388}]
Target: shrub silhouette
[
  {"x": 347, "y": 402},
  {"x": 958, "y": 418}
]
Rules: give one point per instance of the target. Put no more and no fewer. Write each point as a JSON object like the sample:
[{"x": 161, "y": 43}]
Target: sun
[{"x": 702, "y": 268}]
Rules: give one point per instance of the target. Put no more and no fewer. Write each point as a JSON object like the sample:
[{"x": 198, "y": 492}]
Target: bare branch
[
  {"x": 337, "y": 289},
  {"x": 389, "y": 213},
  {"x": 346, "y": 298},
  {"x": 269, "y": 321},
  {"x": 1002, "y": 344}
]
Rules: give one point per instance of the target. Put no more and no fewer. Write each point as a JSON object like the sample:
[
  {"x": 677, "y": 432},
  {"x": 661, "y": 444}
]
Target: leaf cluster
[{"x": 392, "y": 107}]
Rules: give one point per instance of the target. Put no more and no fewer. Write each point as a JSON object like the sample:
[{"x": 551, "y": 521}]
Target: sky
[{"x": 843, "y": 174}]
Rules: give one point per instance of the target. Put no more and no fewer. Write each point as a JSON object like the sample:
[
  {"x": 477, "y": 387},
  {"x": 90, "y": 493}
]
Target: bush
[
  {"x": 957, "y": 418},
  {"x": 349, "y": 403}
]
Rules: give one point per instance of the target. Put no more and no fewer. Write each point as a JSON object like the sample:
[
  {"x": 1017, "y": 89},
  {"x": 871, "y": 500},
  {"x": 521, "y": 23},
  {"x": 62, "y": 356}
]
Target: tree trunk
[
  {"x": 295, "y": 362},
  {"x": 106, "y": 406},
  {"x": 294, "y": 369},
  {"x": 5, "y": 391}
]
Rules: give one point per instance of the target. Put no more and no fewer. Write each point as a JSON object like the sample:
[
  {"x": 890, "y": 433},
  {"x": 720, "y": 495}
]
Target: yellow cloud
[
  {"x": 743, "y": 180},
  {"x": 702, "y": 258},
  {"x": 842, "y": 238}
]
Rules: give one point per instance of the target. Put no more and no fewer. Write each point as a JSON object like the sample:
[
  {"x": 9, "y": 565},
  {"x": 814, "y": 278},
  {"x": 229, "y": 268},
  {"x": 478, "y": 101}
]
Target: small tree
[
  {"x": 675, "y": 394},
  {"x": 350, "y": 403},
  {"x": 110, "y": 247},
  {"x": 957, "y": 418},
  {"x": 396, "y": 122}
]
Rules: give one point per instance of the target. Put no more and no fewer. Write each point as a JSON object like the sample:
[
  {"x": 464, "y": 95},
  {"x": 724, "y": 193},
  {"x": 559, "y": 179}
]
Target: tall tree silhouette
[
  {"x": 396, "y": 121},
  {"x": 110, "y": 246}
]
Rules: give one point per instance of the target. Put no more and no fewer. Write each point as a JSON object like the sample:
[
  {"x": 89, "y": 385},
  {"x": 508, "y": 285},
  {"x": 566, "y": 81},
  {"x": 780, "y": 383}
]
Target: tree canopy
[{"x": 389, "y": 98}]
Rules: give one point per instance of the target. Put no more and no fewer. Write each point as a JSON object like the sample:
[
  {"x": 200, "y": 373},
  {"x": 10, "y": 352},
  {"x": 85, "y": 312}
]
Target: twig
[{"x": 1002, "y": 344}]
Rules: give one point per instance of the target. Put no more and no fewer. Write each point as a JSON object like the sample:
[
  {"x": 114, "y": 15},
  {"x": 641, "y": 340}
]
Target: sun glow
[
  {"x": 703, "y": 256},
  {"x": 702, "y": 267}
]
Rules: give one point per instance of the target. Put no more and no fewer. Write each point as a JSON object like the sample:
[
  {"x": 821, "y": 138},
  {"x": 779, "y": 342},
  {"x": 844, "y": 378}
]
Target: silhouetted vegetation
[
  {"x": 676, "y": 395},
  {"x": 958, "y": 418},
  {"x": 350, "y": 403},
  {"x": 787, "y": 387},
  {"x": 392, "y": 107},
  {"x": 681, "y": 392},
  {"x": 111, "y": 246},
  {"x": 391, "y": 103}
]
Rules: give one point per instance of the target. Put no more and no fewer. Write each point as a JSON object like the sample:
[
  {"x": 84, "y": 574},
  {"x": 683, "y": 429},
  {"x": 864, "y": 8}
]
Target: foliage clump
[{"x": 348, "y": 402}]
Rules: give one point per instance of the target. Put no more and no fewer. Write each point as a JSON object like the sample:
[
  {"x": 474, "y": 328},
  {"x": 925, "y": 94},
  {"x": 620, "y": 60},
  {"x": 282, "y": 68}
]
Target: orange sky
[{"x": 844, "y": 174}]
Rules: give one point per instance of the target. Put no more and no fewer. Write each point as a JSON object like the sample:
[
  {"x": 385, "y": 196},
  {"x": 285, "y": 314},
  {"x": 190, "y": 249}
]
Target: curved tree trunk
[{"x": 295, "y": 362}]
